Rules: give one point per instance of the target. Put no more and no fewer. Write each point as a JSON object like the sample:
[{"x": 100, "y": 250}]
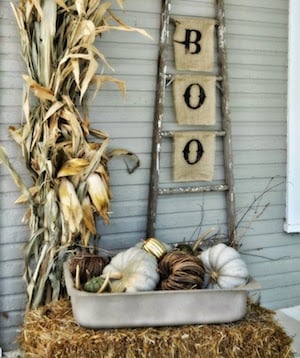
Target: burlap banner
[
  {"x": 194, "y": 44},
  {"x": 193, "y": 156},
  {"x": 195, "y": 99}
]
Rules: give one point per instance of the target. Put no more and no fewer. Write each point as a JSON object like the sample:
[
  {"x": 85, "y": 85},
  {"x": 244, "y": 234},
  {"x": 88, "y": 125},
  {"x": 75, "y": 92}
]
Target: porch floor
[{"x": 289, "y": 318}]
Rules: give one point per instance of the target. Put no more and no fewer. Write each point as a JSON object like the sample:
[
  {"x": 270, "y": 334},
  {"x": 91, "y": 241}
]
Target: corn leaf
[
  {"x": 73, "y": 166},
  {"x": 128, "y": 157},
  {"x": 56, "y": 106},
  {"x": 99, "y": 80},
  {"x": 88, "y": 76},
  {"x": 88, "y": 216},
  {"x": 47, "y": 33},
  {"x": 121, "y": 3},
  {"x": 62, "y": 4},
  {"x": 80, "y": 6},
  {"x": 16, "y": 177},
  {"x": 100, "y": 13},
  {"x": 39, "y": 91}
]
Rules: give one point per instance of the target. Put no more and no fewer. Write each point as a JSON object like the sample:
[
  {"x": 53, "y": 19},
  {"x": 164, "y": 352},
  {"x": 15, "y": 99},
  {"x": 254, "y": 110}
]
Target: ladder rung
[
  {"x": 192, "y": 189},
  {"x": 170, "y": 134}
]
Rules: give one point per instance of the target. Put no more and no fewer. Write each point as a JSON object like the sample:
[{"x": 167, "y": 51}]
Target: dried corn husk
[{"x": 67, "y": 160}]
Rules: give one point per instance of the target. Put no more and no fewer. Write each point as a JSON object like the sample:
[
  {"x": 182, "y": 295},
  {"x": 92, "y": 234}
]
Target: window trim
[{"x": 292, "y": 223}]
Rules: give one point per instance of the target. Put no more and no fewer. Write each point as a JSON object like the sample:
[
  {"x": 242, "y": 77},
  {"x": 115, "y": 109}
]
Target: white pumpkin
[
  {"x": 224, "y": 267},
  {"x": 136, "y": 268}
]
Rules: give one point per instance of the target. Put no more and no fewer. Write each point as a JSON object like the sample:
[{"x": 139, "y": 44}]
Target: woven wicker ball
[
  {"x": 180, "y": 271},
  {"x": 90, "y": 265}
]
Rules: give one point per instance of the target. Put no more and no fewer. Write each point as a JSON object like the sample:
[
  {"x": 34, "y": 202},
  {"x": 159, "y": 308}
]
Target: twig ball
[
  {"x": 180, "y": 271},
  {"x": 90, "y": 265}
]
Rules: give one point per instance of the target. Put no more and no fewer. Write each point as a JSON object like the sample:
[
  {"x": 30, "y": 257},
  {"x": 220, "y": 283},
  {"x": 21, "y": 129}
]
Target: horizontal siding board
[
  {"x": 267, "y": 267},
  {"x": 275, "y": 254},
  {"x": 257, "y": 65},
  {"x": 261, "y": 115},
  {"x": 259, "y": 86},
  {"x": 257, "y": 43},
  {"x": 256, "y": 100},
  {"x": 279, "y": 5},
  {"x": 268, "y": 212},
  {"x": 258, "y": 185},
  {"x": 263, "y": 227},
  {"x": 11, "y": 286},
  {"x": 267, "y": 15},
  {"x": 245, "y": 64},
  {"x": 256, "y": 28},
  {"x": 19, "y": 234},
  {"x": 187, "y": 233},
  {"x": 11, "y": 216},
  {"x": 8, "y": 339},
  {"x": 245, "y": 200},
  {"x": 11, "y": 319},
  {"x": 259, "y": 242},
  {"x": 272, "y": 281},
  {"x": 170, "y": 204},
  {"x": 259, "y": 143},
  {"x": 281, "y": 297},
  {"x": 13, "y": 303},
  {"x": 164, "y": 221},
  {"x": 259, "y": 170},
  {"x": 11, "y": 251},
  {"x": 192, "y": 8},
  {"x": 286, "y": 302},
  {"x": 13, "y": 268},
  {"x": 260, "y": 157}
]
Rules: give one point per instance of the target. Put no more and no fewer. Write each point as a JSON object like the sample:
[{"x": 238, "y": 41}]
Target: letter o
[
  {"x": 199, "y": 151},
  {"x": 187, "y": 96}
]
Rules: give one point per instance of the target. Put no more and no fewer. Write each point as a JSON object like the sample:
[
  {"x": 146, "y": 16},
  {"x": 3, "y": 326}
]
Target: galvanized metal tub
[{"x": 157, "y": 308}]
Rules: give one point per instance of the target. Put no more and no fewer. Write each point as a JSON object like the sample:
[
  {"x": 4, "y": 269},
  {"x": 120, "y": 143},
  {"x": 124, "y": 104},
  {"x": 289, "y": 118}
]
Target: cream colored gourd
[
  {"x": 224, "y": 267},
  {"x": 137, "y": 271}
]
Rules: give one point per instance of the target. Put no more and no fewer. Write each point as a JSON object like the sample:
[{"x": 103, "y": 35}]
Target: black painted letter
[
  {"x": 188, "y": 41},
  {"x": 187, "y": 96},
  {"x": 199, "y": 152}
]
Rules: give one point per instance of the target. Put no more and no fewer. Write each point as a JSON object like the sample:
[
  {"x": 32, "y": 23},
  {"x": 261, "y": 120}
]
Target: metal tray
[{"x": 157, "y": 308}]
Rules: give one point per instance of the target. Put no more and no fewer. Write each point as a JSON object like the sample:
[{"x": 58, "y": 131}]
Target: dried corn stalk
[{"x": 69, "y": 171}]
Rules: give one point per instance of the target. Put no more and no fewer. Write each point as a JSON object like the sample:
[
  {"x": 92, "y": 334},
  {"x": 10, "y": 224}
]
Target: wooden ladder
[{"x": 158, "y": 134}]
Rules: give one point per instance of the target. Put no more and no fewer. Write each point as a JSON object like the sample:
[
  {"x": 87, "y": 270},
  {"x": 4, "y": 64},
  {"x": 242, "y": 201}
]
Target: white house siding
[{"x": 257, "y": 65}]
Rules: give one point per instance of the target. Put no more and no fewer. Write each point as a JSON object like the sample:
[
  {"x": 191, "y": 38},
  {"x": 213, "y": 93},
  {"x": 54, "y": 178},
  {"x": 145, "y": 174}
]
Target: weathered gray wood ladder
[{"x": 225, "y": 131}]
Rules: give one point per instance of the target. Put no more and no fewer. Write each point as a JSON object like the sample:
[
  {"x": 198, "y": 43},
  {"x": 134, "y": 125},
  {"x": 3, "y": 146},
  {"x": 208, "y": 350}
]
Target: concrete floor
[{"x": 289, "y": 318}]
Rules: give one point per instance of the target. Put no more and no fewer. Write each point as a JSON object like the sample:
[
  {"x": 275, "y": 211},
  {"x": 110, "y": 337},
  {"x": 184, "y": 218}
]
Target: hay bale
[{"x": 50, "y": 331}]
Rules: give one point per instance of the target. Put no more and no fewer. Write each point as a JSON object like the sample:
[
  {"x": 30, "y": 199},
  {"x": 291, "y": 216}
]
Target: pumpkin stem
[
  {"x": 104, "y": 285},
  {"x": 214, "y": 276},
  {"x": 114, "y": 275},
  {"x": 201, "y": 239},
  {"x": 77, "y": 278}
]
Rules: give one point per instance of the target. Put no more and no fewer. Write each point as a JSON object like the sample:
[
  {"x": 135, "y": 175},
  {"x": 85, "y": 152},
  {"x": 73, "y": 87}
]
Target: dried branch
[{"x": 255, "y": 207}]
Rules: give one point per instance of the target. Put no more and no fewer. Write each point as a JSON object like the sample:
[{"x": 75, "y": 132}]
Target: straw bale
[{"x": 50, "y": 331}]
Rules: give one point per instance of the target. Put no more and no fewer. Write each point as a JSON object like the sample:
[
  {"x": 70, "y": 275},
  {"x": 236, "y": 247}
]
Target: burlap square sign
[
  {"x": 194, "y": 44},
  {"x": 193, "y": 156},
  {"x": 195, "y": 99}
]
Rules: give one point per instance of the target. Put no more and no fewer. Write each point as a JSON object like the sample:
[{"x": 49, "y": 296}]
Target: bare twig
[{"x": 255, "y": 205}]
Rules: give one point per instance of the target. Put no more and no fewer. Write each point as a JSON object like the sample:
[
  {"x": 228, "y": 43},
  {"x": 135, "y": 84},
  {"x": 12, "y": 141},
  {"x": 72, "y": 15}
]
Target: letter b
[{"x": 192, "y": 37}]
